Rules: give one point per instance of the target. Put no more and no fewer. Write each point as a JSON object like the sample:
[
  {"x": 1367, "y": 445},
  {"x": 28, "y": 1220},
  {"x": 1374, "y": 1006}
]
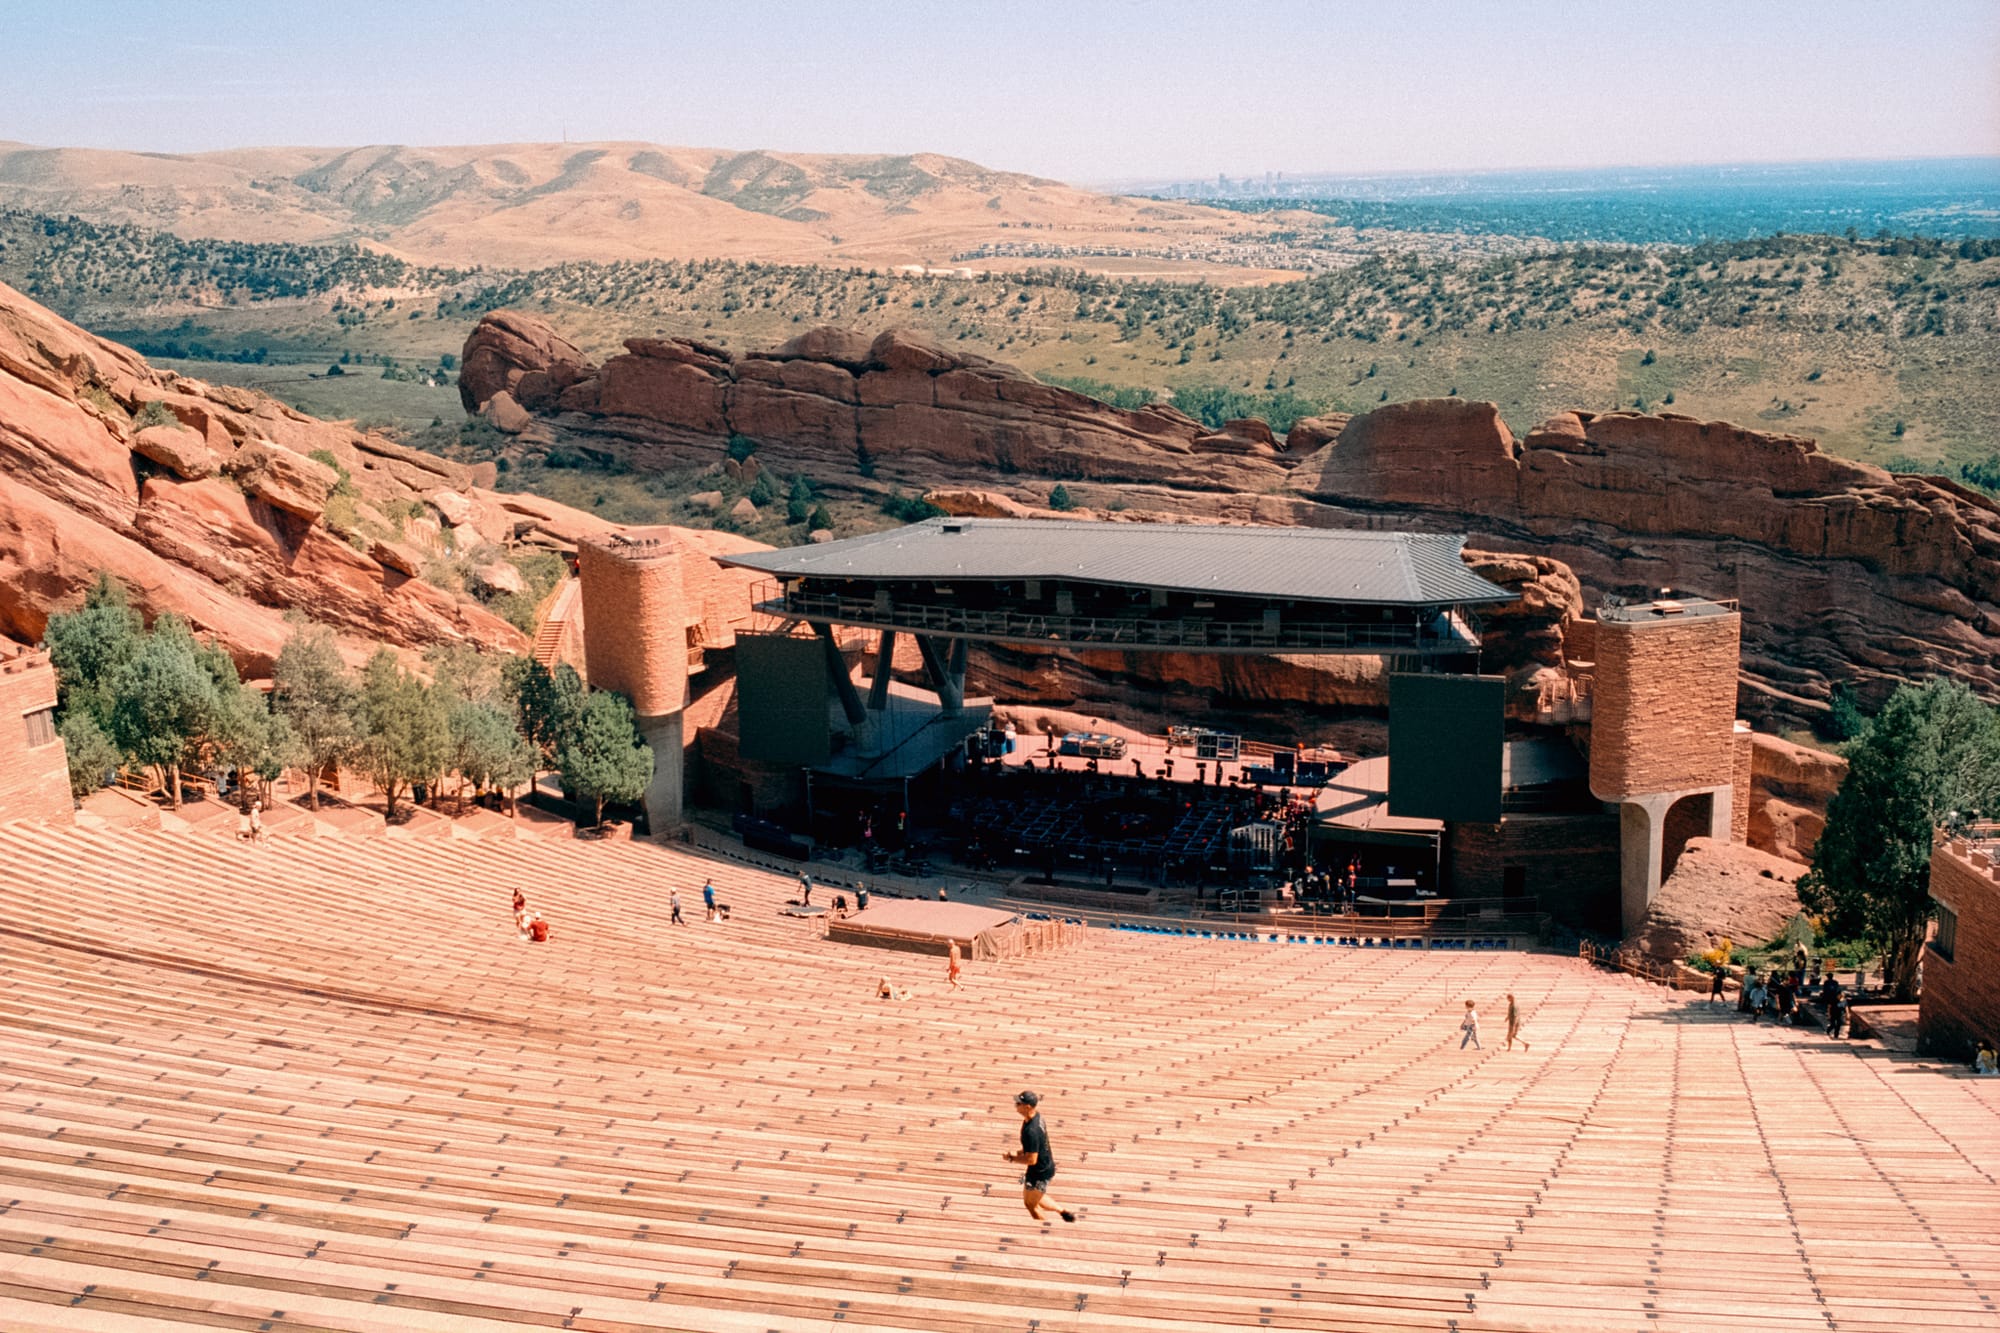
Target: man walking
[
  {"x": 1469, "y": 1025},
  {"x": 805, "y": 889},
  {"x": 1715, "y": 983},
  {"x": 674, "y": 901},
  {"x": 708, "y": 898},
  {"x": 1036, "y": 1157}
]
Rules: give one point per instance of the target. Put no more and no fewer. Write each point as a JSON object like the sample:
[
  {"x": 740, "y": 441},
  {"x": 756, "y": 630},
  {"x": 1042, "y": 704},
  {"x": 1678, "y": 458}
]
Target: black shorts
[{"x": 1039, "y": 1184}]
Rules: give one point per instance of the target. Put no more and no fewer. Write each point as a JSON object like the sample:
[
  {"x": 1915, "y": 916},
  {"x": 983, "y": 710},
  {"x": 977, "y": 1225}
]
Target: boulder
[
  {"x": 505, "y": 345},
  {"x": 822, "y": 536},
  {"x": 977, "y": 504},
  {"x": 1717, "y": 891},
  {"x": 498, "y": 578},
  {"x": 706, "y": 500},
  {"x": 828, "y": 342},
  {"x": 1311, "y": 433},
  {"x": 909, "y": 349},
  {"x": 399, "y": 556},
  {"x": 506, "y": 414},
  {"x": 179, "y": 450},
  {"x": 454, "y": 508},
  {"x": 283, "y": 479},
  {"x": 743, "y": 511}
]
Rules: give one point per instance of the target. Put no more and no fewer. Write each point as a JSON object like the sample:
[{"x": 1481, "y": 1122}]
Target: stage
[{"x": 917, "y": 925}]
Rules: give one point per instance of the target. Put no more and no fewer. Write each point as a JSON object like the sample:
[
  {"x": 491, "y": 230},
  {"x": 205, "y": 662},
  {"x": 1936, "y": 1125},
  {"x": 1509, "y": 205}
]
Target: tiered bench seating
[{"x": 319, "y": 1084}]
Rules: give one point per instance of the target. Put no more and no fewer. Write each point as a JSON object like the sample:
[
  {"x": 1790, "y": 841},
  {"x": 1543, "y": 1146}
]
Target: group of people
[
  {"x": 528, "y": 923},
  {"x": 713, "y": 910},
  {"x": 1469, "y": 1026},
  {"x": 1784, "y": 995}
]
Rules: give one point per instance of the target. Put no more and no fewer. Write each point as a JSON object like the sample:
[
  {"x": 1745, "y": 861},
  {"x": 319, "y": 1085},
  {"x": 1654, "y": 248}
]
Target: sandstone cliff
[
  {"x": 208, "y": 501},
  {"x": 1847, "y": 574}
]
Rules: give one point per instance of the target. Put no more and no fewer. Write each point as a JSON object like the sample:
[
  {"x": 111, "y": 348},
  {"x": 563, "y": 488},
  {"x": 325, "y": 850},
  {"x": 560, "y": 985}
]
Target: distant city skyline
[{"x": 1092, "y": 93}]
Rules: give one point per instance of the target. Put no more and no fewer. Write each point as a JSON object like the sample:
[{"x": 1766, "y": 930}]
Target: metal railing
[{"x": 1132, "y": 632}]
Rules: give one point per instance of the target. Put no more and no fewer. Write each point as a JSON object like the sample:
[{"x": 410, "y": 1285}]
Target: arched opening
[{"x": 1689, "y": 817}]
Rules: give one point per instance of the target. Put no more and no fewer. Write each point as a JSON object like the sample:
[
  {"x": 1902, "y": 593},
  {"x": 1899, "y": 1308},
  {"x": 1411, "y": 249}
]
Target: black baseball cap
[{"x": 1027, "y": 1099}]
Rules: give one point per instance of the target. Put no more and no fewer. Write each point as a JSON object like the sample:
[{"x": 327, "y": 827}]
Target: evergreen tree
[
  {"x": 164, "y": 702},
  {"x": 90, "y": 752},
  {"x": 315, "y": 694},
  {"x": 548, "y": 704},
  {"x": 407, "y": 728},
  {"x": 88, "y": 646},
  {"x": 606, "y": 761},
  {"x": 1929, "y": 759},
  {"x": 1060, "y": 499},
  {"x": 798, "y": 504},
  {"x": 487, "y": 750}
]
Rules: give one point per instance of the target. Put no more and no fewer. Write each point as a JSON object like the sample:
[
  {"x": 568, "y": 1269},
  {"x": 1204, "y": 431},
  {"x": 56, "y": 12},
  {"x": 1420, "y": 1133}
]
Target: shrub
[
  {"x": 155, "y": 413},
  {"x": 741, "y": 447},
  {"x": 1060, "y": 499}
]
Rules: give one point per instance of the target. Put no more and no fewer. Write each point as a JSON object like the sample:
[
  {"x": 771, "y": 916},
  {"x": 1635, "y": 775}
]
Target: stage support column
[
  {"x": 885, "y": 657},
  {"x": 950, "y": 692},
  {"x": 836, "y": 670}
]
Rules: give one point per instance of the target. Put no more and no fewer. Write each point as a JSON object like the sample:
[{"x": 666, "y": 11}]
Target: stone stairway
[{"x": 318, "y": 1084}]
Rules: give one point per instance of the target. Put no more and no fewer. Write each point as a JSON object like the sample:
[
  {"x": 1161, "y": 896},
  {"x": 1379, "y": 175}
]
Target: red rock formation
[
  {"x": 1847, "y": 574},
  {"x": 89, "y": 484},
  {"x": 1718, "y": 891},
  {"x": 1790, "y": 787}
]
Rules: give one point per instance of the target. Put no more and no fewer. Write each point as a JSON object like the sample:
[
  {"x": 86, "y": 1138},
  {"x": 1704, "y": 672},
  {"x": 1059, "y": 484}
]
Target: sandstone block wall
[
  {"x": 635, "y": 619},
  {"x": 1740, "y": 779},
  {"x": 34, "y": 773},
  {"x": 1960, "y": 1001},
  {"x": 1570, "y": 864},
  {"x": 1664, "y": 705}
]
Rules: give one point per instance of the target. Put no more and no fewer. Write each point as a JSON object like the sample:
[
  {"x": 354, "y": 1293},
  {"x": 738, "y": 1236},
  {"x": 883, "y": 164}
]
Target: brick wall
[
  {"x": 1960, "y": 1001},
  {"x": 34, "y": 778},
  {"x": 635, "y": 621},
  {"x": 1664, "y": 709},
  {"x": 1570, "y": 863},
  {"x": 1740, "y": 783}
]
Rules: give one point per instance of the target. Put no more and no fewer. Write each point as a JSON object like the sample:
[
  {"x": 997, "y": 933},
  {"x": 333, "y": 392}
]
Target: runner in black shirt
[{"x": 1036, "y": 1157}]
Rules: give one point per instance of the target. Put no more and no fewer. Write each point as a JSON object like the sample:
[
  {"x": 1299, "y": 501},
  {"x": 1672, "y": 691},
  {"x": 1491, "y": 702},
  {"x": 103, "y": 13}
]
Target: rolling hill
[{"x": 528, "y": 205}]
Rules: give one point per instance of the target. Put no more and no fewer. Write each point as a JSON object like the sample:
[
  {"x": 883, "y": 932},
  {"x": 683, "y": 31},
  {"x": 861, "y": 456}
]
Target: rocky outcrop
[
  {"x": 207, "y": 501},
  {"x": 1848, "y": 575},
  {"x": 1718, "y": 891},
  {"x": 1790, "y": 788}
]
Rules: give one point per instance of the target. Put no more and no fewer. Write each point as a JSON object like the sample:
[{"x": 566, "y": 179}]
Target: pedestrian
[
  {"x": 1469, "y": 1025},
  {"x": 951, "y": 966},
  {"x": 1987, "y": 1061},
  {"x": 708, "y": 898},
  {"x": 1037, "y": 1158},
  {"x": 1836, "y": 1014},
  {"x": 1760, "y": 997},
  {"x": 805, "y": 889},
  {"x": 861, "y": 897},
  {"x": 1514, "y": 1024},
  {"x": 674, "y": 902},
  {"x": 1715, "y": 983}
]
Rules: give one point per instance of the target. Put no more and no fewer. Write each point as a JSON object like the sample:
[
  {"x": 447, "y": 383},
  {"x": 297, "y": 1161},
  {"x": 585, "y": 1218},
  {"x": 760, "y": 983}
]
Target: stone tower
[
  {"x": 1664, "y": 741},
  {"x": 635, "y": 635}
]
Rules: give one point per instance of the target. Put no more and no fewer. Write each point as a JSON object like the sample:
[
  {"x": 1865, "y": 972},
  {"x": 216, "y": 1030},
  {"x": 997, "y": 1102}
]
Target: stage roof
[{"x": 1310, "y": 564}]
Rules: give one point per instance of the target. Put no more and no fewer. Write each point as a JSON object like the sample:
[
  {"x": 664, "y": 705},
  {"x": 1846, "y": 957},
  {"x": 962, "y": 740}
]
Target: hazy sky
[{"x": 1087, "y": 92}]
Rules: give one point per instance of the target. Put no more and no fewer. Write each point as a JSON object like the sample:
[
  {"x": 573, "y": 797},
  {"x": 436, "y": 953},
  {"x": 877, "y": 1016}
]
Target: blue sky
[{"x": 1088, "y": 92}]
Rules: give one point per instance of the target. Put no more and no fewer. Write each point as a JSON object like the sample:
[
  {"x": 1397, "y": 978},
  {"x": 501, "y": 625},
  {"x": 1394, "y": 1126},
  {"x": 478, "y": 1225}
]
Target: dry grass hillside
[{"x": 526, "y": 205}]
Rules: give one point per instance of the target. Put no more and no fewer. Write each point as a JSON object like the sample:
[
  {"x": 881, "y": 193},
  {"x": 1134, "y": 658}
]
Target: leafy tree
[
  {"x": 407, "y": 727},
  {"x": 315, "y": 694},
  {"x": 1060, "y": 499},
  {"x": 90, "y": 752},
  {"x": 487, "y": 749},
  {"x": 606, "y": 760},
  {"x": 763, "y": 491},
  {"x": 1930, "y": 758},
  {"x": 548, "y": 705},
  {"x": 247, "y": 736},
  {"x": 88, "y": 646},
  {"x": 164, "y": 702},
  {"x": 741, "y": 447}
]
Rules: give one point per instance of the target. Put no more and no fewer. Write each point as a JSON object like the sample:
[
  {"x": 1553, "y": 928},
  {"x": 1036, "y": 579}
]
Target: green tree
[
  {"x": 1060, "y": 499},
  {"x": 407, "y": 727},
  {"x": 248, "y": 737},
  {"x": 798, "y": 503},
  {"x": 487, "y": 749},
  {"x": 90, "y": 645},
  {"x": 606, "y": 760},
  {"x": 90, "y": 752},
  {"x": 164, "y": 702},
  {"x": 547, "y": 704},
  {"x": 312, "y": 690},
  {"x": 822, "y": 519},
  {"x": 1929, "y": 759}
]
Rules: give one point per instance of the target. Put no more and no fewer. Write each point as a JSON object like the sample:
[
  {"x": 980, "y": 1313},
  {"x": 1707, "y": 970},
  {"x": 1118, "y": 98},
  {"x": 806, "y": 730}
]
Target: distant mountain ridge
[{"x": 534, "y": 204}]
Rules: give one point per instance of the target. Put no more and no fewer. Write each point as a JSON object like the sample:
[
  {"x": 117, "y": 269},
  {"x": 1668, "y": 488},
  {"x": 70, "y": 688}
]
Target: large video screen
[
  {"x": 1446, "y": 738},
  {"x": 781, "y": 700}
]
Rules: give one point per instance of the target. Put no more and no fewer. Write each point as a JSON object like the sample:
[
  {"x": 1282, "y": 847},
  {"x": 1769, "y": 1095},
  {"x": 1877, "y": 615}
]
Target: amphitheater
[{"x": 318, "y": 1084}]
